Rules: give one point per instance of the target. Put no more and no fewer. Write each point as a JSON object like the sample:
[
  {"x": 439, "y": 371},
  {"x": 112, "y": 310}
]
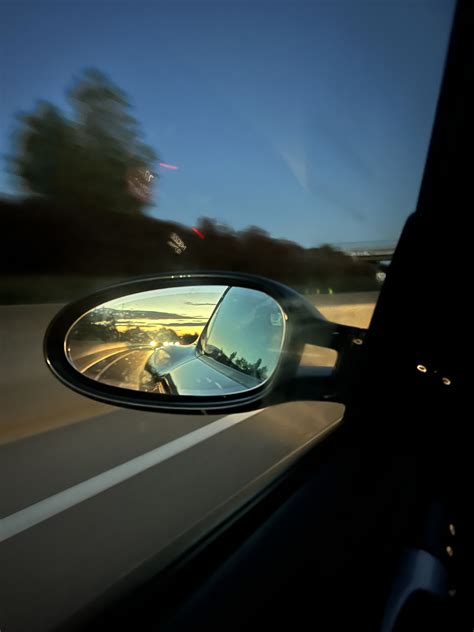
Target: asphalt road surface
[
  {"x": 121, "y": 368},
  {"x": 91, "y": 496}
]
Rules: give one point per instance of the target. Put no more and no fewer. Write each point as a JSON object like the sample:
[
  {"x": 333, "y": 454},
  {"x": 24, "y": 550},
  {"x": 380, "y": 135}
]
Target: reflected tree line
[
  {"x": 240, "y": 364},
  {"x": 87, "y": 178},
  {"x": 96, "y": 326}
]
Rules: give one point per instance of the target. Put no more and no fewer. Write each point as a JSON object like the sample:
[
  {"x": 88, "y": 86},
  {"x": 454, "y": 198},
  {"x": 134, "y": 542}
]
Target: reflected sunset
[{"x": 148, "y": 319}]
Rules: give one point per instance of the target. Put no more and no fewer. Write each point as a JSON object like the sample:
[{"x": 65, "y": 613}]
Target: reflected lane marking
[{"x": 112, "y": 363}]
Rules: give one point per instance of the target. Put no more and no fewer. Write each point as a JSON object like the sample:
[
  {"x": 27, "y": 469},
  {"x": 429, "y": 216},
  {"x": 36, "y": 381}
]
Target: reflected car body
[
  {"x": 183, "y": 370},
  {"x": 212, "y": 364}
]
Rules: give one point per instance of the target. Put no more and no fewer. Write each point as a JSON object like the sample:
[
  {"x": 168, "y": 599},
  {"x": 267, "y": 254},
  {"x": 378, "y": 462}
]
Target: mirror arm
[
  {"x": 311, "y": 384},
  {"x": 348, "y": 368},
  {"x": 308, "y": 384},
  {"x": 329, "y": 383}
]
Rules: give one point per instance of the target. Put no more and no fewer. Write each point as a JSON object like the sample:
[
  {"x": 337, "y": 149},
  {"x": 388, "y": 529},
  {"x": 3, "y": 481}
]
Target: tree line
[{"x": 87, "y": 178}]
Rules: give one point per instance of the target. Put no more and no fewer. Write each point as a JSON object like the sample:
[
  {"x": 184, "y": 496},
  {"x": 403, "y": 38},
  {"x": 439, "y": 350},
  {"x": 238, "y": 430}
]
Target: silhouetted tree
[
  {"x": 166, "y": 334},
  {"x": 187, "y": 339},
  {"x": 93, "y": 327},
  {"x": 136, "y": 335},
  {"x": 94, "y": 160}
]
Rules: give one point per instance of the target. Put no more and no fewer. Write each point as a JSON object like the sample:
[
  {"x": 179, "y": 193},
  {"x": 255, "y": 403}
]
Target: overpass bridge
[{"x": 372, "y": 251}]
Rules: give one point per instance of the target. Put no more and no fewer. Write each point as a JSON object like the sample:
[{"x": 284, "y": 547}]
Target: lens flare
[{"x": 198, "y": 233}]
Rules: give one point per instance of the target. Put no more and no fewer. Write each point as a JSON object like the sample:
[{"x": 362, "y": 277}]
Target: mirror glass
[{"x": 196, "y": 340}]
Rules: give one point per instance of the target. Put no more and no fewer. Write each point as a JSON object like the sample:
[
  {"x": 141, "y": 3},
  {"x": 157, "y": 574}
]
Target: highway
[
  {"x": 120, "y": 368},
  {"x": 91, "y": 495}
]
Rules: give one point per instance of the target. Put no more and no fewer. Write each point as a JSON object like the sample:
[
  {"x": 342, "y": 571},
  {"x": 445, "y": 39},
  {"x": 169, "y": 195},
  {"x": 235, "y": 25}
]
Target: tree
[
  {"x": 94, "y": 160},
  {"x": 136, "y": 335},
  {"x": 45, "y": 151},
  {"x": 188, "y": 339}
]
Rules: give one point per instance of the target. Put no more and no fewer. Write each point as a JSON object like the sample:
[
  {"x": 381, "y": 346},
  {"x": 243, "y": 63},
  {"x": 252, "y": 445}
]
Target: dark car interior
[{"x": 372, "y": 529}]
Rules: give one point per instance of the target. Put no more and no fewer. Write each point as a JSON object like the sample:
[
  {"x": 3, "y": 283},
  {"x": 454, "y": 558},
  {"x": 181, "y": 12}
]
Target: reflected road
[{"x": 122, "y": 368}]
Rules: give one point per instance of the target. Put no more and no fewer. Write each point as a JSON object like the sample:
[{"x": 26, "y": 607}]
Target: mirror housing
[{"x": 304, "y": 324}]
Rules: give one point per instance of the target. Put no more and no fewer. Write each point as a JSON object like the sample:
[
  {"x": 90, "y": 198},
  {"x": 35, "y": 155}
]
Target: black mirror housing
[{"x": 304, "y": 325}]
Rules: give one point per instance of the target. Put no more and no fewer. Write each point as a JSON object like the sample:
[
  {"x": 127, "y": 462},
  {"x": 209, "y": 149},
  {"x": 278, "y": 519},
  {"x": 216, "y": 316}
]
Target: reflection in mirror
[{"x": 196, "y": 340}]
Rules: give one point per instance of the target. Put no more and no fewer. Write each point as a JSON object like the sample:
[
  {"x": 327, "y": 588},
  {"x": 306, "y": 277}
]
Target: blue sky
[{"x": 309, "y": 119}]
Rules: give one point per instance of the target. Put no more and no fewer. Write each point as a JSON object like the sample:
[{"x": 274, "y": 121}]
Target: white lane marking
[
  {"x": 112, "y": 362},
  {"x": 92, "y": 363},
  {"x": 48, "y": 507}
]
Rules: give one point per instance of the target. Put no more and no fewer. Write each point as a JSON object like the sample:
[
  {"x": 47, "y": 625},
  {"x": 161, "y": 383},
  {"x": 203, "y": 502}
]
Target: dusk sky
[
  {"x": 309, "y": 119},
  {"x": 190, "y": 307}
]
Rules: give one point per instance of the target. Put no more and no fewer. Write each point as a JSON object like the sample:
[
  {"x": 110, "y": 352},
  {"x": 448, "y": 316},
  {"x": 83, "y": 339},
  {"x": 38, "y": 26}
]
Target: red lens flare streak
[
  {"x": 198, "y": 233},
  {"x": 165, "y": 165}
]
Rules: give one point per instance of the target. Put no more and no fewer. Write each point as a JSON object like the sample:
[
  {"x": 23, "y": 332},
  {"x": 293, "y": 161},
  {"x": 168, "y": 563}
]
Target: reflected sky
[
  {"x": 309, "y": 119},
  {"x": 185, "y": 309},
  {"x": 248, "y": 325}
]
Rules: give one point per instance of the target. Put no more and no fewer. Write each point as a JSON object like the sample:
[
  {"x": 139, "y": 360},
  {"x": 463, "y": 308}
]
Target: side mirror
[{"x": 196, "y": 342}]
